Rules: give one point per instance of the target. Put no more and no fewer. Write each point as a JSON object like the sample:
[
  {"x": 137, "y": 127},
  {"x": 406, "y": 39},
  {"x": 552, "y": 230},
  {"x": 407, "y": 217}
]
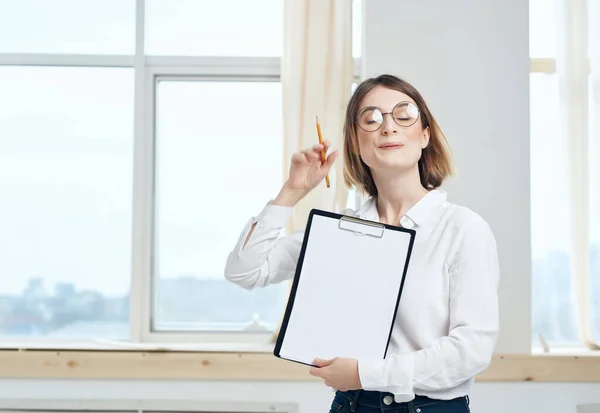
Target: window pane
[
  {"x": 217, "y": 28},
  {"x": 67, "y": 26},
  {"x": 65, "y": 179},
  {"x": 219, "y": 161},
  {"x": 542, "y": 29},
  {"x": 553, "y": 309}
]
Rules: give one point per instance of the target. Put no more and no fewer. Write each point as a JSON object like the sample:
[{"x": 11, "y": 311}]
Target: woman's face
[{"x": 385, "y": 143}]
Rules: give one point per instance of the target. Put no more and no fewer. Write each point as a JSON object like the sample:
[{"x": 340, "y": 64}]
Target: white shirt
[{"x": 447, "y": 321}]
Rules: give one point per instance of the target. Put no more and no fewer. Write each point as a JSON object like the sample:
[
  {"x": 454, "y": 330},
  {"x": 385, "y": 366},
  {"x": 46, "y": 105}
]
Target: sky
[{"x": 66, "y": 143}]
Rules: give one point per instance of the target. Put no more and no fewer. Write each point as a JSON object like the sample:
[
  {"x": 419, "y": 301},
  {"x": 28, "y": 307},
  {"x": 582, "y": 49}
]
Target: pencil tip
[{"x": 317, "y": 118}]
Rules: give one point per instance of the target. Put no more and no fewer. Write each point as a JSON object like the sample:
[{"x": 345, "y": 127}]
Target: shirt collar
[{"x": 414, "y": 216}]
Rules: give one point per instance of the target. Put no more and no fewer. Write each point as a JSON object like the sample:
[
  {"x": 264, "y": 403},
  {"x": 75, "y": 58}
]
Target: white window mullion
[
  {"x": 147, "y": 210},
  {"x": 174, "y": 75},
  {"x": 216, "y": 66},
  {"x": 257, "y": 339},
  {"x": 140, "y": 271},
  {"x": 28, "y": 59}
]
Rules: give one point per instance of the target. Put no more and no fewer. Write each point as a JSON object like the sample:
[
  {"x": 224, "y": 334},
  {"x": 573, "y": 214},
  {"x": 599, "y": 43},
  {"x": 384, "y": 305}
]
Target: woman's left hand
[{"x": 338, "y": 373}]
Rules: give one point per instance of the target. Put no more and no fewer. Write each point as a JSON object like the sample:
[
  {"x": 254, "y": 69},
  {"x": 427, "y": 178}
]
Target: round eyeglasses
[{"x": 405, "y": 114}]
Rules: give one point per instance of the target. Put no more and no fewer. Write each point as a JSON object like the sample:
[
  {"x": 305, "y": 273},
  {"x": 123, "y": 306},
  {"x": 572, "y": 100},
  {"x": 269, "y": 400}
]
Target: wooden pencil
[{"x": 323, "y": 159}]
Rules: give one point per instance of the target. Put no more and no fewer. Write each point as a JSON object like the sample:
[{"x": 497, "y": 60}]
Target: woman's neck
[{"x": 397, "y": 194}]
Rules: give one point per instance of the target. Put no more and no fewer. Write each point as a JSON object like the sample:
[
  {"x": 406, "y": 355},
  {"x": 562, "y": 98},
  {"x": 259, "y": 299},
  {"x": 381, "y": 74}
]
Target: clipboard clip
[{"x": 361, "y": 226}]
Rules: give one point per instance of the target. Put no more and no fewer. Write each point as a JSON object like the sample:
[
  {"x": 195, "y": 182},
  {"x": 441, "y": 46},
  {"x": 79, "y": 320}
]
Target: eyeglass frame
[{"x": 388, "y": 113}]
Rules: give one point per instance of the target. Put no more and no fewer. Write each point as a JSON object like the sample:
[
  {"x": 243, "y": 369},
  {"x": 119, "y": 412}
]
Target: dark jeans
[{"x": 361, "y": 401}]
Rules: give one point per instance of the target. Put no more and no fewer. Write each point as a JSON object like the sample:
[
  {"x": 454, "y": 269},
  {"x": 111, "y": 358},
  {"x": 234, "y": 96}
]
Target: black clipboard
[{"x": 341, "y": 259}]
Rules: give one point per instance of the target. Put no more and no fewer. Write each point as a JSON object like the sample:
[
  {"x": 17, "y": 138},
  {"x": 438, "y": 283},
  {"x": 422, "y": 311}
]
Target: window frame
[
  {"x": 148, "y": 70},
  {"x": 200, "y": 69}
]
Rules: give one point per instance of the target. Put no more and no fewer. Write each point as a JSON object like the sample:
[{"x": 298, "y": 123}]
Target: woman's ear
[{"x": 425, "y": 138}]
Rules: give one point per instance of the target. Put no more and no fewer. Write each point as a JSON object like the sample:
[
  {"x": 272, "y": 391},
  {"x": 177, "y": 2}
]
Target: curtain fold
[{"x": 573, "y": 68}]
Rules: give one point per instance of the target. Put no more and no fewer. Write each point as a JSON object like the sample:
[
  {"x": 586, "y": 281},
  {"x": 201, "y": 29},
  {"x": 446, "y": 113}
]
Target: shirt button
[{"x": 388, "y": 400}]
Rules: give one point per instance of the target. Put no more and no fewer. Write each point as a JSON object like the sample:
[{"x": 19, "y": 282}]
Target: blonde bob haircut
[{"x": 436, "y": 161}]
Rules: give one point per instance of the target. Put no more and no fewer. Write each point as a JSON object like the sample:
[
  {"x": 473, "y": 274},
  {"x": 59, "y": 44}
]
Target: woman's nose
[{"x": 389, "y": 127}]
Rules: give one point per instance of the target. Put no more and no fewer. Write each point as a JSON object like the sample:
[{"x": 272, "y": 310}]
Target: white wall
[{"x": 470, "y": 61}]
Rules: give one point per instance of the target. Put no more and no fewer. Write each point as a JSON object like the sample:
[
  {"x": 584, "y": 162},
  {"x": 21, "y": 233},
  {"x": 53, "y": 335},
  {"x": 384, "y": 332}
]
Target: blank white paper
[{"x": 347, "y": 292}]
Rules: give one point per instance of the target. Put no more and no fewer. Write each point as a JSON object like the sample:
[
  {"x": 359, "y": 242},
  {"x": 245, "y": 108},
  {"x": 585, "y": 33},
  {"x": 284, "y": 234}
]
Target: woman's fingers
[
  {"x": 298, "y": 157},
  {"x": 318, "y": 148},
  {"x": 324, "y": 146},
  {"x": 331, "y": 159},
  {"x": 313, "y": 154},
  {"x": 305, "y": 157}
]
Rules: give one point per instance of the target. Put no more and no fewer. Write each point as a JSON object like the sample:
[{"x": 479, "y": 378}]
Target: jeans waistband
[{"x": 378, "y": 399}]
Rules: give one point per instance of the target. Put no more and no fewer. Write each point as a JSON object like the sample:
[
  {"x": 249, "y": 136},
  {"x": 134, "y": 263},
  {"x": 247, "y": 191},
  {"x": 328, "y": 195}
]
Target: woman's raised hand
[{"x": 306, "y": 172}]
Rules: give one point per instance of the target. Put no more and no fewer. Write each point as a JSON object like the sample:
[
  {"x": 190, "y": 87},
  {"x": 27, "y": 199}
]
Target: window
[
  {"x": 205, "y": 131},
  {"x": 554, "y": 304},
  {"x": 118, "y": 121},
  {"x": 65, "y": 176}
]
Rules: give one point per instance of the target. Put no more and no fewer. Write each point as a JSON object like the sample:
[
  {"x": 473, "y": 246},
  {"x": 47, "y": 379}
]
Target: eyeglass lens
[{"x": 404, "y": 114}]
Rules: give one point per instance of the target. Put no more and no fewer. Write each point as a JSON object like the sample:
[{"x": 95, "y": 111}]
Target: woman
[{"x": 447, "y": 322}]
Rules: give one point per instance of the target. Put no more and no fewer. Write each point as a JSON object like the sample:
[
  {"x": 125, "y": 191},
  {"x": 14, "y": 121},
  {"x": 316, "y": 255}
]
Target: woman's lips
[{"x": 391, "y": 146}]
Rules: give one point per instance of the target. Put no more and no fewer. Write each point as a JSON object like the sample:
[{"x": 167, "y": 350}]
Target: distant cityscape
[
  {"x": 553, "y": 312},
  {"x": 189, "y": 303},
  {"x": 185, "y": 302}
]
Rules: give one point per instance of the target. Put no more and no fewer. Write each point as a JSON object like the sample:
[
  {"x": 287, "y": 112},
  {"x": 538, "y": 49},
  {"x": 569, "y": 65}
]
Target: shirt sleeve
[
  {"x": 467, "y": 350},
  {"x": 267, "y": 257}
]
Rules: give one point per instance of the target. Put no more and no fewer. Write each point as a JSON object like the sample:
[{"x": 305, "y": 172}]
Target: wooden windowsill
[{"x": 255, "y": 366}]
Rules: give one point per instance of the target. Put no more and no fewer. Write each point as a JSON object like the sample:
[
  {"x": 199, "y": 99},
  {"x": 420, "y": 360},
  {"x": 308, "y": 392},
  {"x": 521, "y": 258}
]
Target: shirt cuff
[
  {"x": 394, "y": 375},
  {"x": 371, "y": 374},
  {"x": 274, "y": 216}
]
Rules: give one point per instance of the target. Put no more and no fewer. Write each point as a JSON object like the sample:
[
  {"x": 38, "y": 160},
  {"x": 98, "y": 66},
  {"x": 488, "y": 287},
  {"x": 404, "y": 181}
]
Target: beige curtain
[
  {"x": 317, "y": 75},
  {"x": 573, "y": 68},
  {"x": 317, "y": 72}
]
